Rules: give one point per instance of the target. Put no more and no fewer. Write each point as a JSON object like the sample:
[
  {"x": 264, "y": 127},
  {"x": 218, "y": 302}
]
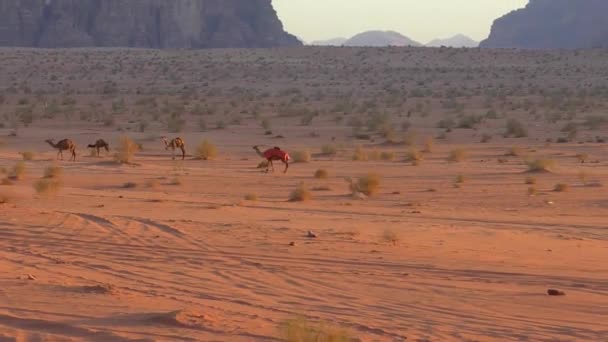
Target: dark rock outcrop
[
  {"x": 564, "y": 24},
  {"x": 141, "y": 23}
]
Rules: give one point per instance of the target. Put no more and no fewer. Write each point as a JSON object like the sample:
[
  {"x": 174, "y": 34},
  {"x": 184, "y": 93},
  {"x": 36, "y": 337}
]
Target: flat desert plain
[{"x": 447, "y": 191}]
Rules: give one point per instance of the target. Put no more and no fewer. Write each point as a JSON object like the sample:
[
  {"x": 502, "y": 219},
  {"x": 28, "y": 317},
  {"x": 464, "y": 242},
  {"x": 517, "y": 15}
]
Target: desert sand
[{"x": 460, "y": 250}]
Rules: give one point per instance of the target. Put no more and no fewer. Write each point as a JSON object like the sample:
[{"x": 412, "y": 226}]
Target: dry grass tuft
[
  {"x": 321, "y": 174},
  {"x": 127, "y": 149},
  {"x": 300, "y": 194},
  {"x": 457, "y": 155},
  {"x": 251, "y": 197},
  {"x": 330, "y": 150},
  {"x": 360, "y": 154},
  {"x": 540, "y": 165},
  {"x": 515, "y": 151},
  {"x": 18, "y": 171},
  {"x": 390, "y": 236},
  {"x": 368, "y": 185},
  {"x": 27, "y": 155},
  {"x": 53, "y": 171},
  {"x": 129, "y": 185},
  {"x": 47, "y": 186},
  {"x": 206, "y": 150},
  {"x": 153, "y": 184},
  {"x": 561, "y": 187},
  {"x": 412, "y": 155},
  {"x": 530, "y": 180},
  {"x": 387, "y": 156},
  {"x": 532, "y": 191},
  {"x": 301, "y": 156},
  {"x": 300, "y": 330}
]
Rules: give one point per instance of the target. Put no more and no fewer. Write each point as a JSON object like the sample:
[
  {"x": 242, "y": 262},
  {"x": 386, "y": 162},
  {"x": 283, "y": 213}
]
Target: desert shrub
[
  {"x": 457, "y": 155},
  {"x": 486, "y": 138},
  {"x": 360, "y": 154},
  {"x": 53, "y": 171},
  {"x": 387, "y": 155},
  {"x": 206, "y": 150},
  {"x": 301, "y": 156},
  {"x": 429, "y": 143},
  {"x": 27, "y": 155},
  {"x": 460, "y": 179},
  {"x": 390, "y": 236},
  {"x": 515, "y": 151},
  {"x": 530, "y": 180},
  {"x": 152, "y": 183},
  {"x": 175, "y": 181},
  {"x": 129, "y": 185},
  {"x": 300, "y": 194},
  {"x": 47, "y": 186},
  {"x": 532, "y": 191},
  {"x": 321, "y": 174},
  {"x": 251, "y": 197},
  {"x": 412, "y": 155},
  {"x": 18, "y": 171},
  {"x": 330, "y": 150},
  {"x": 540, "y": 165},
  {"x": 373, "y": 155},
  {"x": 561, "y": 187},
  {"x": 582, "y": 157},
  {"x": 516, "y": 129},
  {"x": 300, "y": 330},
  {"x": 127, "y": 149},
  {"x": 368, "y": 185}
]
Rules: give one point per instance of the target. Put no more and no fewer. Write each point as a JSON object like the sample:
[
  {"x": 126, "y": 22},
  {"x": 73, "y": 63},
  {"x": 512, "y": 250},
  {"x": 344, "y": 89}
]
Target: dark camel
[
  {"x": 64, "y": 145},
  {"x": 99, "y": 144}
]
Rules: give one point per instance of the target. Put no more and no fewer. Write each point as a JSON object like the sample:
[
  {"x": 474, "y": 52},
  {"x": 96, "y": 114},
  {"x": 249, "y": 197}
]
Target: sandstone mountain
[
  {"x": 141, "y": 23},
  {"x": 381, "y": 38},
  {"x": 456, "y": 41},
  {"x": 565, "y": 24}
]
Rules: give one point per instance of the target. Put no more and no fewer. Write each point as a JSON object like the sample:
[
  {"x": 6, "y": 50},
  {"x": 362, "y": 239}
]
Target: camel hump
[{"x": 277, "y": 148}]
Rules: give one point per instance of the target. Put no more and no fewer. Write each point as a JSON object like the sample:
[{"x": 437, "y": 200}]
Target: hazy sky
[{"x": 421, "y": 20}]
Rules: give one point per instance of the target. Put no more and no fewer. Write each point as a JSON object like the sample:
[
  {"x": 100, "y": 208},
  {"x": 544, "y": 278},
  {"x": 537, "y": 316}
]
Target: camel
[
  {"x": 175, "y": 144},
  {"x": 274, "y": 154},
  {"x": 99, "y": 144},
  {"x": 64, "y": 145}
]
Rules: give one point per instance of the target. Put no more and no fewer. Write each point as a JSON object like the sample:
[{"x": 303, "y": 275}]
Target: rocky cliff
[
  {"x": 141, "y": 23},
  {"x": 552, "y": 24}
]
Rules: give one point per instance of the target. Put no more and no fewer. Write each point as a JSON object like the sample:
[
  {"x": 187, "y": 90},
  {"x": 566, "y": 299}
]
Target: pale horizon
[{"x": 313, "y": 20}]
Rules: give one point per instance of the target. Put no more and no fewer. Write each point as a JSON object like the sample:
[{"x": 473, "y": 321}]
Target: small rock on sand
[{"x": 554, "y": 292}]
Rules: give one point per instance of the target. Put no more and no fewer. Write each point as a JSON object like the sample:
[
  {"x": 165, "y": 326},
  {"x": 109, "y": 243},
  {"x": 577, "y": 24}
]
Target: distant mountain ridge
[
  {"x": 456, "y": 41},
  {"x": 565, "y": 24},
  {"x": 380, "y": 38},
  {"x": 329, "y": 42}
]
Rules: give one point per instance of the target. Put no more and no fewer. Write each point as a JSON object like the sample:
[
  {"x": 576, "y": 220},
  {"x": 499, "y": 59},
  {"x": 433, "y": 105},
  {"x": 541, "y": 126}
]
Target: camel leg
[
  {"x": 60, "y": 154},
  {"x": 183, "y": 153},
  {"x": 271, "y": 165},
  {"x": 74, "y": 155},
  {"x": 97, "y": 152},
  {"x": 286, "y": 166}
]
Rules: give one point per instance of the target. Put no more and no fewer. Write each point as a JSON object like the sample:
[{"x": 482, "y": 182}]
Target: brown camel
[
  {"x": 64, "y": 145},
  {"x": 274, "y": 154},
  {"x": 99, "y": 144},
  {"x": 175, "y": 144}
]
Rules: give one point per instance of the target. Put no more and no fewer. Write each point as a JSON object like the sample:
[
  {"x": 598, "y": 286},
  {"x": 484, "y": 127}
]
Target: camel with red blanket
[{"x": 274, "y": 154}]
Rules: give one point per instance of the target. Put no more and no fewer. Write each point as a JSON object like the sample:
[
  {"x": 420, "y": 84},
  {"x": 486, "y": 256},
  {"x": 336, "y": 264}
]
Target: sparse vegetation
[
  {"x": 53, "y": 171},
  {"x": 251, "y": 197},
  {"x": 27, "y": 155},
  {"x": 561, "y": 187},
  {"x": 206, "y": 150},
  {"x": 368, "y": 185},
  {"x": 329, "y": 150},
  {"x": 301, "y": 330},
  {"x": 360, "y": 154},
  {"x": 516, "y": 128},
  {"x": 540, "y": 165},
  {"x": 387, "y": 155},
  {"x": 301, "y": 156},
  {"x": 457, "y": 155},
  {"x": 390, "y": 236},
  {"x": 530, "y": 180},
  {"x": 515, "y": 151},
  {"x": 18, "y": 171},
  {"x": 47, "y": 186},
  {"x": 127, "y": 149},
  {"x": 321, "y": 174},
  {"x": 300, "y": 194}
]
